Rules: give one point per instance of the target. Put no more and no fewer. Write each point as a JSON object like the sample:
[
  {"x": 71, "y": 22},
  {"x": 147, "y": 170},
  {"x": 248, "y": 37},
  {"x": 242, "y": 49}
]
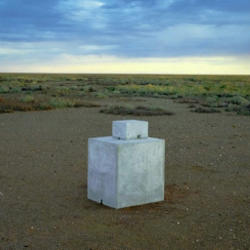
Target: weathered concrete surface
[
  {"x": 129, "y": 129},
  {"x": 124, "y": 173},
  {"x": 102, "y": 176}
]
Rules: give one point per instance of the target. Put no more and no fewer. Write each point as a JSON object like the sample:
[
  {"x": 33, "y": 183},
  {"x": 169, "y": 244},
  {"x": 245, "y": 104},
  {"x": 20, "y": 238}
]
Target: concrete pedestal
[{"x": 126, "y": 172}]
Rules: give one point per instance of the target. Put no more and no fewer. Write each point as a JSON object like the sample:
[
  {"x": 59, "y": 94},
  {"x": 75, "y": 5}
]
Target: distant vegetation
[
  {"x": 138, "y": 110},
  {"x": 204, "y": 94}
]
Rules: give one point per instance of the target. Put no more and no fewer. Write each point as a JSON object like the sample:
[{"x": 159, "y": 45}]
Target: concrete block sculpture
[{"x": 127, "y": 168}]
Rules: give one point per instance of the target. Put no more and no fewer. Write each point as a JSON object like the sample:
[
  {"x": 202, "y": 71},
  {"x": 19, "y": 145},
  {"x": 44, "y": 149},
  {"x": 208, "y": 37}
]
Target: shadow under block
[{"x": 123, "y": 173}]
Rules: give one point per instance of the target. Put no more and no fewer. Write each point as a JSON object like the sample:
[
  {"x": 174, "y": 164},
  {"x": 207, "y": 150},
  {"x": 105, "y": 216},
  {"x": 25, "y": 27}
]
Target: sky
[{"x": 125, "y": 36}]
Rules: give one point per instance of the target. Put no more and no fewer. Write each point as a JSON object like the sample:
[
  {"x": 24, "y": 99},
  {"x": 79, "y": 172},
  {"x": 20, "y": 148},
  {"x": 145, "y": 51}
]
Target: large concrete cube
[{"x": 123, "y": 173}]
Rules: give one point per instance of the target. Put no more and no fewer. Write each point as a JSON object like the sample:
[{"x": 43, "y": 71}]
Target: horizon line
[{"x": 112, "y": 73}]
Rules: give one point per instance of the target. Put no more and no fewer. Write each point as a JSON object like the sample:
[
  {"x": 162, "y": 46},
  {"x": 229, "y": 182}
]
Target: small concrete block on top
[
  {"x": 129, "y": 129},
  {"x": 128, "y": 171}
]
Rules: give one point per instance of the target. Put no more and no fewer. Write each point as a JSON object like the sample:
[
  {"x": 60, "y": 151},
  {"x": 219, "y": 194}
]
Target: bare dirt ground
[{"x": 43, "y": 191}]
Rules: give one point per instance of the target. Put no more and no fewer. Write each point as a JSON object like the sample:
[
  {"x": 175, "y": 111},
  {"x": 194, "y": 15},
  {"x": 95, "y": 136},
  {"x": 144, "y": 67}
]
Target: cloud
[
  {"x": 7, "y": 51},
  {"x": 196, "y": 39},
  {"x": 83, "y": 11},
  {"x": 41, "y": 52},
  {"x": 123, "y": 28}
]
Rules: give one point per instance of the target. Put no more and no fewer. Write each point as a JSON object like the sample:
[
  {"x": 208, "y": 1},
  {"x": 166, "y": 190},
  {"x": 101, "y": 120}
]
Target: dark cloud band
[{"x": 153, "y": 28}]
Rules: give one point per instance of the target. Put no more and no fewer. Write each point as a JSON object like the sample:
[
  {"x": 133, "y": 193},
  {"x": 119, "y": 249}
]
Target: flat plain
[{"x": 43, "y": 161}]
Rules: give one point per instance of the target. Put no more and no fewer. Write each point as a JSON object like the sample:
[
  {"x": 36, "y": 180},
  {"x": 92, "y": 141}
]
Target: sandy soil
[{"x": 43, "y": 166}]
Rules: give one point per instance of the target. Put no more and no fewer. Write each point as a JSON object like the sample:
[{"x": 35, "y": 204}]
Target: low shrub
[
  {"x": 11, "y": 105},
  {"x": 137, "y": 111},
  {"x": 240, "y": 110},
  {"x": 100, "y": 95},
  {"x": 188, "y": 101},
  {"x": 79, "y": 104},
  {"x": 191, "y": 106},
  {"x": 175, "y": 97},
  {"x": 232, "y": 108},
  {"x": 42, "y": 106},
  {"x": 4, "y": 89},
  {"x": 244, "y": 110},
  {"x": 205, "y": 110},
  {"x": 238, "y": 100},
  {"x": 71, "y": 103},
  {"x": 60, "y": 103},
  {"x": 27, "y": 98},
  {"x": 28, "y": 103}
]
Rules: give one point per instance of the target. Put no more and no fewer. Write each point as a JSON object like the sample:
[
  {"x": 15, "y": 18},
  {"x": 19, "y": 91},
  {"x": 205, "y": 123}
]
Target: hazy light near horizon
[{"x": 110, "y": 64}]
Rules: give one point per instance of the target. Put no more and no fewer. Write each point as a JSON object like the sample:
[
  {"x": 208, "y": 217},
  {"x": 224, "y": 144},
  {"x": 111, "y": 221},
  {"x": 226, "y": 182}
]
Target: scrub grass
[
  {"x": 225, "y": 93},
  {"x": 136, "y": 111},
  {"x": 206, "y": 110},
  {"x": 11, "y": 105},
  {"x": 28, "y": 103}
]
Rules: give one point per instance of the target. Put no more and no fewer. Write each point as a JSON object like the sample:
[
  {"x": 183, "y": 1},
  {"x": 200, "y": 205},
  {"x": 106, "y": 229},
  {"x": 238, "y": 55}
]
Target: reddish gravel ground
[{"x": 43, "y": 166}]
